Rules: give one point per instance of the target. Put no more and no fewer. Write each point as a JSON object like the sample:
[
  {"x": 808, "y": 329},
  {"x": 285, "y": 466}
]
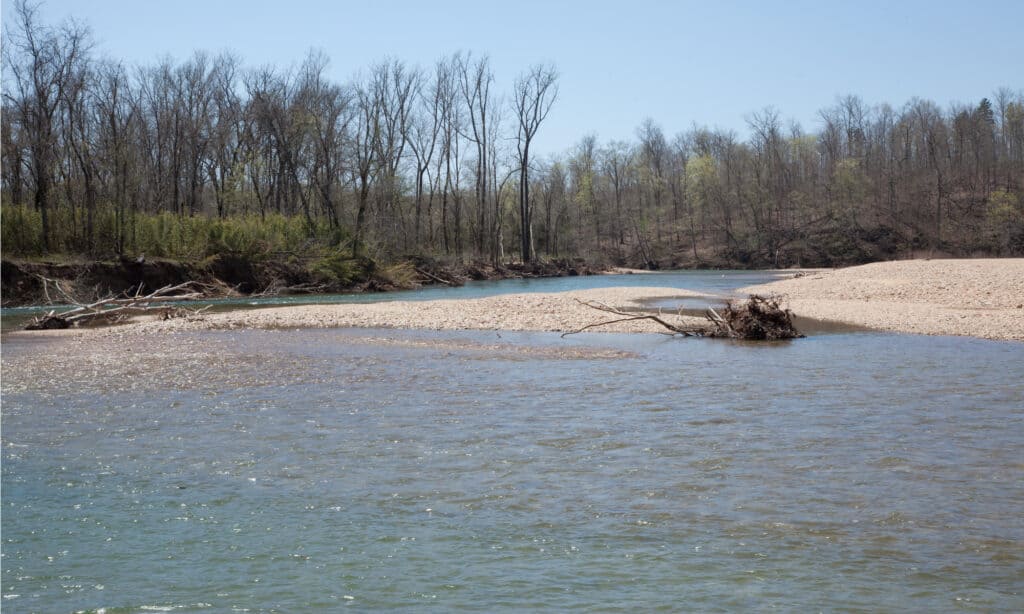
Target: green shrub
[
  {"x": 400, "y": 275},
  {"x": 341, "y": 269},
  {"x": 167, "y": 235},
  {"x": 21, "y": 230},
  {"x": 1005, "y": 222}
]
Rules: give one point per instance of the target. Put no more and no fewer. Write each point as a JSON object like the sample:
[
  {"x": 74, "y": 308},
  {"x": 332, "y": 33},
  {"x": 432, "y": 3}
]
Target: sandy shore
[
  {"x": 977, "y": 298},
  {"x": 558, "y": 312},
  {"x": 980, "y": 298}
]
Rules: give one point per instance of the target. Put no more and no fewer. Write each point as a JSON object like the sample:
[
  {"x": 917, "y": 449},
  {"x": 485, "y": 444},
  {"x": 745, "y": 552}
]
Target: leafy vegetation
[{"x": 166, "y": 235}]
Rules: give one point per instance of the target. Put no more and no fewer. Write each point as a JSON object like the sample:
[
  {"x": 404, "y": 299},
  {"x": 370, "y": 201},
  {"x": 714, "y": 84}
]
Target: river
[{"x": 307, "y": 470}]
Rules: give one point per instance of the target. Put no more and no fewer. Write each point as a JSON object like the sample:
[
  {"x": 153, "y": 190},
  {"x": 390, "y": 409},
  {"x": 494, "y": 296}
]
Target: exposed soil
[{"x": 231, "y": 274}]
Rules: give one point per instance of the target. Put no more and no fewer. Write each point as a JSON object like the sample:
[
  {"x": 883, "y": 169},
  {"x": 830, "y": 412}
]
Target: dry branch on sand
[
  {"x": 757, "y": 318},
  {"x": 111, "y": 309}
]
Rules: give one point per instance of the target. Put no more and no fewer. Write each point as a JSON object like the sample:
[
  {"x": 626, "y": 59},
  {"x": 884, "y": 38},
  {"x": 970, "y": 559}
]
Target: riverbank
[
  {"x": 980, "y": 298},
  {"x": 977, "y": 298},
  {"x": 544, "y": 312},
  {"x": 235, "y": 275}
]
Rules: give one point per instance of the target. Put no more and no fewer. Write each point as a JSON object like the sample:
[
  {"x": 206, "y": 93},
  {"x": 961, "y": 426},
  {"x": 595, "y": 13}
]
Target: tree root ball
[{"x": 758, "y": 318}]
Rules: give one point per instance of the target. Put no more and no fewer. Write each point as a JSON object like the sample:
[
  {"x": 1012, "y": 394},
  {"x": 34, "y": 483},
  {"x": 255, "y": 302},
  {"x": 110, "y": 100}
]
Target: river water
[{"x": 307, "y": 470}]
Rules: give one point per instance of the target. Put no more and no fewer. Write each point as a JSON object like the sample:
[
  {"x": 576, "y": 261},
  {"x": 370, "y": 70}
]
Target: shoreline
[
  {"x": 981, "y": 298},
  {"x": 528, "y": 312},
  {"x": 535, "y": 312},
  {"x": 227, "y": 276}
]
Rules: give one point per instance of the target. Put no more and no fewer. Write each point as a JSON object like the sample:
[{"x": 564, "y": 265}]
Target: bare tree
[
  {"x": 615, "y": 159},
  {"x": 654, "y": 155},
  {"x": 14, "y": 157},
  {"x": 394, "y": 84},
  {"x": 498, "y": 156},
  {"x": 194, "y": 88},
  {"x": 448, "y": 179},
  {"x": 328, "y": 111},
  {"x": 78, "y": 130},
  {"x": 423, "y": 137},
  {"x": 583, "y": 177},
  {"x": 364, "y": 157},
  {"x": 42, "y": 62},
  {"x": 534, "y": 93},
  {"x": 475, "y": 79},
  {"x": 226, "y": 126}
]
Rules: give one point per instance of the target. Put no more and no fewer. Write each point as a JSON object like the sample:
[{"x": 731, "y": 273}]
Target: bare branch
[
  {"x": 676, "y": 330},
  {"x": 111, "y": 309}
]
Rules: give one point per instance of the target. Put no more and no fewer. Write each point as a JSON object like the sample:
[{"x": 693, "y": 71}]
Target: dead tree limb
[
  {"x": 628, "y": 317},
  {"x": 433, "y": 277},
  {"x": 111, "y": 309},
  {"x": 278, "y": 287},
  {"x": 722, "y": 326},
  {"x": 757, "y": 318},
  {"x": 60, "y": 290}
]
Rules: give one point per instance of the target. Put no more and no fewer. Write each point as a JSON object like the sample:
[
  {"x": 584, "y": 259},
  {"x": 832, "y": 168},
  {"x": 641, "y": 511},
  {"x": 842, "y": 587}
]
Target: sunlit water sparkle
[{"x": 463, "y": 471}]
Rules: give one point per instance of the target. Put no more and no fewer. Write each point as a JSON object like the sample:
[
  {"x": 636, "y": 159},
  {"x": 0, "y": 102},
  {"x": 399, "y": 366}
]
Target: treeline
[{"x": 185, "y": 159}]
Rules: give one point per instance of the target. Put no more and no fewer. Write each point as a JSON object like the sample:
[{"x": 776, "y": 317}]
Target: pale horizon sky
[{"x": 679, "y": 63}]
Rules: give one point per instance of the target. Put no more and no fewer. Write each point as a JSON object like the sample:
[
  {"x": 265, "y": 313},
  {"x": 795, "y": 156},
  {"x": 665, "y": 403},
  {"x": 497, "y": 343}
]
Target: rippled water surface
[{"x": 309, "y": 470}]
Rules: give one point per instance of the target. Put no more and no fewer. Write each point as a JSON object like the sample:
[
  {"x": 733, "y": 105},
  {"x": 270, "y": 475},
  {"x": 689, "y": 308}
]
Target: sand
[
  {"x": 980, "y": 298},
  {"x": 556, "y": 312},
  {"x": 977, "y": 298}
]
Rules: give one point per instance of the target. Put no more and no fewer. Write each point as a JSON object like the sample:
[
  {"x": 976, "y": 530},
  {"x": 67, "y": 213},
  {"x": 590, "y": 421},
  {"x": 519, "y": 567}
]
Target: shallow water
[{"x": 307, "y": 470}]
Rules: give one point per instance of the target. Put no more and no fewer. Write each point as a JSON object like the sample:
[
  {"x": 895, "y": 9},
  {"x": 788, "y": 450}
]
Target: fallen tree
[
  {"x": 756, "y": 318},
  {"x": 112, "y": 309}
]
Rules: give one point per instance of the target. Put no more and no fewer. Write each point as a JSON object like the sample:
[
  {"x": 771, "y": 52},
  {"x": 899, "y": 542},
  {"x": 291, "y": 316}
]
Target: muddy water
[{"x": 309, "y": 470}]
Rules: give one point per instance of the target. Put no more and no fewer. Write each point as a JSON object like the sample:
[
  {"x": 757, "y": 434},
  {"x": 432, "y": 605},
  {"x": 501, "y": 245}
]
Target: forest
[{"x": 194, "y": 158}]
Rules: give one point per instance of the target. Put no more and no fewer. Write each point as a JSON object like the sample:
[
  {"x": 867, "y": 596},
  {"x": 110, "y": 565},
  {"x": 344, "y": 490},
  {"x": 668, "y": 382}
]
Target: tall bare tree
[
  {"x": 534, "y": 94},
  {"x": 423, "y": 138},
  {"x": 475, "y": 79},
  {"x": 43, "y": 62}
]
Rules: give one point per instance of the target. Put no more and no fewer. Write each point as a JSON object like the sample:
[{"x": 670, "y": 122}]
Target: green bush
[
  {"x": 339, "y": 268},
  {"x": 1005, "y": 222},
  {"x": 166, "y": 235},
  {"x": 399, "y": 275},
  {"x": 21, "y": 231}
]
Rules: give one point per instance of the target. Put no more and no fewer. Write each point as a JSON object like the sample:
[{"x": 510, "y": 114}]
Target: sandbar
[
  {"x": 966, "y": 297},
  {"x": 551, "y": 312}
]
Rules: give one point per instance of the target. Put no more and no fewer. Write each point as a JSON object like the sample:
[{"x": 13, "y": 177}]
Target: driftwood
[
  {"x": 112, "y": 309},
  {"x": 435, "y": 278},
  {"x": 758, "y": 318},
  {"x": 278, "y": 287},
  {"x": 631, "y": 316}
]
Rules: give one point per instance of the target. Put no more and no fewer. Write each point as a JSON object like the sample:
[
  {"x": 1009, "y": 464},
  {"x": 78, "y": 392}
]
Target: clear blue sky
[{"x": 709, "y": 62}]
